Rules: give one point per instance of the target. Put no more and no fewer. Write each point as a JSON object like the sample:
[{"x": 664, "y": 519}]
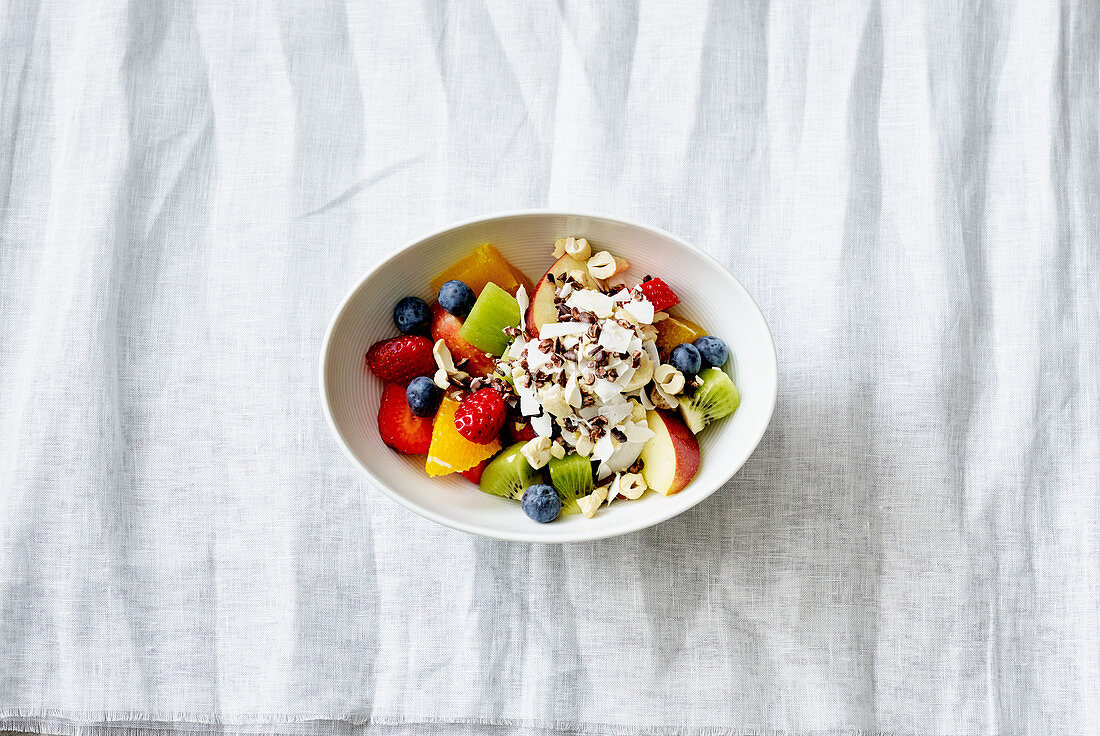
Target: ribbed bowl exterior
[{"x": 710, "y": 296}]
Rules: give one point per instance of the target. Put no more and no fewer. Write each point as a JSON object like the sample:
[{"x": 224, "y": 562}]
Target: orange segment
[
  {"x": 675, "y": 330},
  {"x": 485, "y": 265},
  {"x": 450, "y": 452}
]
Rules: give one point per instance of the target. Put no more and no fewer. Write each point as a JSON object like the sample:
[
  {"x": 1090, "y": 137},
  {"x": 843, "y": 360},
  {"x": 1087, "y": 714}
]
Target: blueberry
[
  {"x": 412, "y": 316},
  {"x": 712, "y": 350},
  {"x": 541, "y": 503},
  {"x": 457, "y": 298},
  {"x": 686, "y": 359},
  {"x": 423, "y": 396}
]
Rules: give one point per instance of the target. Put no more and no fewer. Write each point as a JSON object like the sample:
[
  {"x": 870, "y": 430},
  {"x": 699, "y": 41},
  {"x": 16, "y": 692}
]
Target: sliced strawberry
[
  {"x": 480, "y": 416},
  {"x": 400, "y": 428},
  {"x": 659, "y": 294},
  {"x": 401, "y": 359},
  {"x": 474, "y": 474},
  {"x": 520, "y": 429}
]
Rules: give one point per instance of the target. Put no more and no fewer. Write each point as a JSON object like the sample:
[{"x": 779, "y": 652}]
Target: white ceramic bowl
[{"x": 710, "y": 296}]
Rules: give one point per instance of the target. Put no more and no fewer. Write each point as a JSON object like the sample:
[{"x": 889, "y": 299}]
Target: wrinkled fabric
[{"x": 911, "y": 192}]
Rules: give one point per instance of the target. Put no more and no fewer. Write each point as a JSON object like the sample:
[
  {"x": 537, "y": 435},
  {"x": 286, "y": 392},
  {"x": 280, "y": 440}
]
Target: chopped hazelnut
[
  {"x": 661, "y": 400},
  {"x": 536, "y": 451},
  {"x": 442, "y": 355},
  {"x": 670, "y": 380},
  {"x": 578, "y": 248},
  {"x": 632, "y": 485},
  {"x": 642, "y": 374},
  {"x": 590, "y": 503},
  {"x": 603, "y": 265}
]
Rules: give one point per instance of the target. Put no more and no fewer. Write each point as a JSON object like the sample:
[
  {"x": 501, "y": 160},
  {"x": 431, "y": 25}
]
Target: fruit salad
[{"x": 566, "y": 395}]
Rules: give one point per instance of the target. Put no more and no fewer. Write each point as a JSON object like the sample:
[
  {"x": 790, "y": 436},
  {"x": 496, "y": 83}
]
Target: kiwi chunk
[
  {"x": 571, "y": 477},
  {"x": 716, "y": 398},
  {"x": 493, "y": 311},
  {"x": 509, "y": 474}
]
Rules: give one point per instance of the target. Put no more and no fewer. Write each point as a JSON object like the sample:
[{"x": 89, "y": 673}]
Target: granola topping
[{"x": 583, "y": 380}]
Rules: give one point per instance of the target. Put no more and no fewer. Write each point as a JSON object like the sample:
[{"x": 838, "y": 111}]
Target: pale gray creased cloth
[{"x": 910, "y": 190}]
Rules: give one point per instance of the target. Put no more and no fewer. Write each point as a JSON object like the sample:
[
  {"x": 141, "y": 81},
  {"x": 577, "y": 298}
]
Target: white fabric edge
[{"x": 126, "y": 724}]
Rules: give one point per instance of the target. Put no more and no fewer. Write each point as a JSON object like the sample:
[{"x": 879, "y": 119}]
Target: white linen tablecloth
[{"x": 911, "y": 191}]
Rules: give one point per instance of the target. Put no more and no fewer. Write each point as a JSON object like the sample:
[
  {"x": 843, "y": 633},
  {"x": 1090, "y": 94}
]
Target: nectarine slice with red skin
[
  {"x": 671, "y": 458},
  {"x": 542, "y": 310},
  {"x": 445, "y": 327}
]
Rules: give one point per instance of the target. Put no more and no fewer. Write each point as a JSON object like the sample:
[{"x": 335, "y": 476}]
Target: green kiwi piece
[
  {"x": 716, "y": 398},
  {"x": 509, "y": 474},
  {"x": 494, "y": 310},
  {"x": 571, "y": 477}
]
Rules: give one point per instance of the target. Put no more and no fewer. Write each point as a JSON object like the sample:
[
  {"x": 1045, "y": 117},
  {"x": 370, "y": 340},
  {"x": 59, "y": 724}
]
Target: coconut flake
[
  {"x": 528, "y": 402},
  {"x": 552, "y": 330},
  {"x": 605, "y": 448},
  {"x": 517, "y": 348},
  {"x": 553, "y": 401},
  {"x": 614, "y": 489},
  {"x": 543, "y": 425},
  {"x": 524, "y": 302},
  {"x": 605, "y": 390},
  {"x": 615, "y": 337},
  {"x": 535, "y": 357},
  {"x": 624, "y": 456},
  {"x": 638, "y": 432},
  {"x": 572, "y": 391},
  {"x": 625, "y": 376},
  {"x": 642, "y": 311},
  {"x": 591, "y": 300},
  {"x": 616, "y": 413},
  {"x": 588, "y": 413},
  {"x": 618, "y": 365}
]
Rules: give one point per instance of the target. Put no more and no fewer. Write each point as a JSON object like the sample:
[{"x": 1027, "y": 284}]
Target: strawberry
[
  {"x": 401, "y": 359},
  {"x": 400, "y": 428},
  {"x": 659, "y": 294},
  {"x": 474, "y": 474},
  {"x": 480, "y": 416},
  {"x": 520, "y": 429}
]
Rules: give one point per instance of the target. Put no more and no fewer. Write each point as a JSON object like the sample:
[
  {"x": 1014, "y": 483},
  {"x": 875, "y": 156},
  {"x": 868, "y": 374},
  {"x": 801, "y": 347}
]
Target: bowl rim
[{"x": 597, "y": 531}]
